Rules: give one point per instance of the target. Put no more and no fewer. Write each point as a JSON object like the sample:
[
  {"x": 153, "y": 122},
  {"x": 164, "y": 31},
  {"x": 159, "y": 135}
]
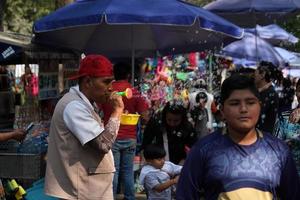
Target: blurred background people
[
  {"x": 30, "y": 82},
  {"x": 269, "y": 98},
  {"x": 171, "y": 130},
  {"x": 288, "y": 129},
  {"x": 199, "y": 115},
  {"x": 124, "y": 147},
  {"x": 286, "y": 95},
  {"x": 201, "y": 86}
]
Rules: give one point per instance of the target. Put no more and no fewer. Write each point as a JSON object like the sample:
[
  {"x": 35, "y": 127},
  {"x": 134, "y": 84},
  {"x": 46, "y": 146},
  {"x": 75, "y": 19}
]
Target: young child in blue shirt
[{"x": 157, "y": 175}]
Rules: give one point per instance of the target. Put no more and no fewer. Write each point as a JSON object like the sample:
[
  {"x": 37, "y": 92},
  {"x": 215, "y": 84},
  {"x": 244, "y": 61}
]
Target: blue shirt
[
  {"x": 290, "y": 133},
  {"x": 226, "y": 170},
  {"x": 150, "y": 177}
]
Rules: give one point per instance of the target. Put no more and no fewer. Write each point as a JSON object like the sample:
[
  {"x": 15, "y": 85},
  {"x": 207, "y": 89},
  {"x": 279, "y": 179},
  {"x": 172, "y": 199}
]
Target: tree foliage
[
  {"x": 293, "y": 26},
  {"x": 199, "y": 2},
  {"x": 19, "y": 15}
]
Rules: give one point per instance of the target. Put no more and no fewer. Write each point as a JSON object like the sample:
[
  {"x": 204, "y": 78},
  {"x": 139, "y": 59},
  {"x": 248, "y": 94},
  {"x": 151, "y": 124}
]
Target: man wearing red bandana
[{"x": 80, "y": 164}]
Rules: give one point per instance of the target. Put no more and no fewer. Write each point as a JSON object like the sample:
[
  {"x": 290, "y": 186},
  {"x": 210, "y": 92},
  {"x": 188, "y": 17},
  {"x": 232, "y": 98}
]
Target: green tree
[
  {"x": 199, "y": 2},
  {"x": 2, "y": 5},
  {"x": 293, "y": 26},
  {"x": 19, "y": 15}
]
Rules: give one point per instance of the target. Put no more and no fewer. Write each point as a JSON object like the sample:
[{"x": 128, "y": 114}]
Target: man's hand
[
  {"x": 18, "y": 135},
  {"x": 117, "y": 104}
]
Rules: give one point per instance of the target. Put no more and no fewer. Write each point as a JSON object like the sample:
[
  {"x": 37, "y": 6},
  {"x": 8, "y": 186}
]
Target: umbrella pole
[
  {"x": 132, "y": 66},
  {"x": 132, "y": 56},
  {"x": 210, "y": 87},
  {"x": 256, "y": 35}
]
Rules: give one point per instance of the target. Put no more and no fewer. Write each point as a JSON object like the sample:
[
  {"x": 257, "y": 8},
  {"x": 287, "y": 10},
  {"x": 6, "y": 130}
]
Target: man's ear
[{"x": 89, "y": 81}]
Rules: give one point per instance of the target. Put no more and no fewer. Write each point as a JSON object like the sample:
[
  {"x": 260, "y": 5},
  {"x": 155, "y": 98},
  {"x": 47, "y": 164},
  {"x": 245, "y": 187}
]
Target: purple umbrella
[
  {"x": 273, "y": 34},
  {"x": 253, "y": 48},
  {"x": 248, "y": 13},
  {"x": 133, "y": 28}
]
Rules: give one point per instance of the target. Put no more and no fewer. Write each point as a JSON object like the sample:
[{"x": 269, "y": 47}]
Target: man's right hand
[{"x": 117, "y": 104}]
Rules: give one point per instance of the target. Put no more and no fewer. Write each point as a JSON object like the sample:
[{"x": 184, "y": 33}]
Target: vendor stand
[{"x": 25, "y": 161}]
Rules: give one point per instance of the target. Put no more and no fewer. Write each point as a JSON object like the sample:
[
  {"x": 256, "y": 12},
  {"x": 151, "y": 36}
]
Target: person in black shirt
[
  {"x": 268, "y": 97},
  {"x": 199, "y": 115},
  {"x": 171, "y": 129}
]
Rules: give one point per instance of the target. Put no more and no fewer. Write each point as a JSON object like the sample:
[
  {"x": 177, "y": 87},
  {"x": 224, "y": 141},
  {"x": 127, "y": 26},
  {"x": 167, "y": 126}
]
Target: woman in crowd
[
  {"x": 30, "y": 83},
  {"x": 171, "y": 130},
  {"x": 288, "y": 129}
]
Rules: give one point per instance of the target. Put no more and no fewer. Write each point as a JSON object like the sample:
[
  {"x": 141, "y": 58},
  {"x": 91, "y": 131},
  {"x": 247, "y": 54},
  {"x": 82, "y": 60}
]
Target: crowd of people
[{"x": 243, "y": 143}]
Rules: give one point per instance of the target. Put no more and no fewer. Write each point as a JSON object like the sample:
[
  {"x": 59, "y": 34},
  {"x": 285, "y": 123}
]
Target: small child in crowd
[
  {"x": 199, "y": 115},
  {"x": 157, "y": 175}
]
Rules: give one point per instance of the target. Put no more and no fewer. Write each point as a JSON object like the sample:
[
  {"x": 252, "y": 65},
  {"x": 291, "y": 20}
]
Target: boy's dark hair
[
  {"x": 121, "y": 71},
  {"x": 175, "y": 107},
  {"x": 201, "y": 95},
  {"x": 153, "y": 151},
  {"x": 237, "y": 82}
]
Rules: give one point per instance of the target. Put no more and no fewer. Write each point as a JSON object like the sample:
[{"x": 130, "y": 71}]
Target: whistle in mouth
[{"x": 127, "y": 93}]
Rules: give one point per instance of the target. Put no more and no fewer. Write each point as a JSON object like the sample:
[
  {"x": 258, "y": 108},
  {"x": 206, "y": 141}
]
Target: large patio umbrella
[
  {"x": 115, "y": 28},
  {"x": 290, "y": 57},
  {"x": 273, "y": 34},
  {"x": 253, "y": 48},
  {"x": 248, "y": 13},
  {"x": 18, "y": 49},
  {"x": 133, "y": 28}
]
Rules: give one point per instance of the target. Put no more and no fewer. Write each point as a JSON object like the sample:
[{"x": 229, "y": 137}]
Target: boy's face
[
  {"x": 241, "y": 110},
  {"x": 202, "y": 103},
  {"x": 173, "y": 120},
  {"x": 157, "y": 163}
]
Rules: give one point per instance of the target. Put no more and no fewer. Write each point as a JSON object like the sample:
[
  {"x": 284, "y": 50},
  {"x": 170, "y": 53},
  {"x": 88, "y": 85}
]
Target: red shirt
[{"x": 137, "y": 104}]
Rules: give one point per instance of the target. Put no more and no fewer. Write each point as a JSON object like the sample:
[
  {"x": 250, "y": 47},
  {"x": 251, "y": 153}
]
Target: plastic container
[{"x": 129, "y": 119}]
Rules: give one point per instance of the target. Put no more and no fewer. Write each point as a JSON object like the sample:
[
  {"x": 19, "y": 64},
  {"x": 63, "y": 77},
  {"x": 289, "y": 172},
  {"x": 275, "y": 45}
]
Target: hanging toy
[
  {"x": 192, "y": 61},
  {"x": 184, "y": 94}
]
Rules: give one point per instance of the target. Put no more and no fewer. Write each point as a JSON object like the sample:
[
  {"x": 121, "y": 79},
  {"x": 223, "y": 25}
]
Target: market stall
[{"x": 28, "y": 101}]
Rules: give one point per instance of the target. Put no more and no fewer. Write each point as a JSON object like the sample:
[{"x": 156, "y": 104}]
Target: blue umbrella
[
  {"x": 289, "y": 57},
  {"x": 273, "y": 34},
  {"x": 252, "y": 12},
  {"x": 253, "y": 48},
  {"x": 244, "y": 63},
  {"x": 133, "y": 27}
]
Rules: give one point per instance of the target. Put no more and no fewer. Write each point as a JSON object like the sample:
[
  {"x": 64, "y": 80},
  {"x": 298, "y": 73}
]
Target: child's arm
[{"x": 161, "y": 187}]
